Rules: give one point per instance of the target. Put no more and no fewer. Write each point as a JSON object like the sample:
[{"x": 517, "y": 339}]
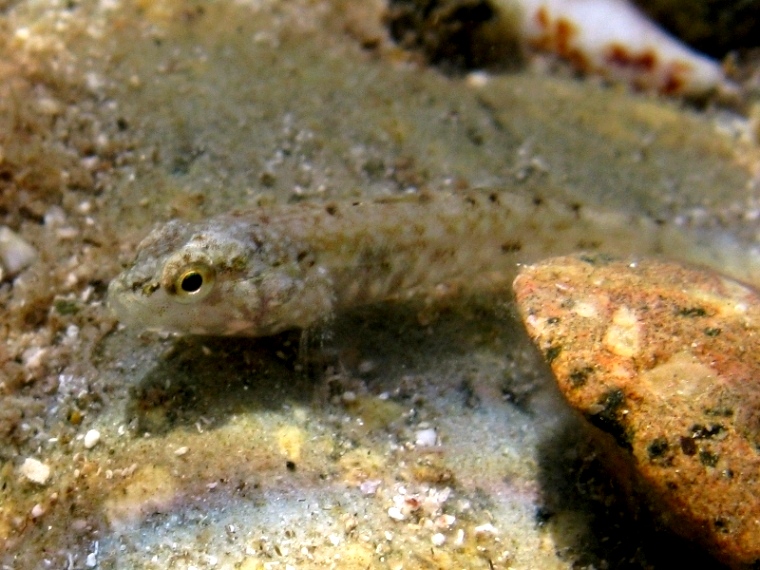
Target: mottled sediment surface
[{"x": 311, "y": 451}]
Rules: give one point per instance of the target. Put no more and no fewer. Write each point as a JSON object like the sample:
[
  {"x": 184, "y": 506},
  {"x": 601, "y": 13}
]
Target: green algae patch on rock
[{"x": 661, "y": 359}]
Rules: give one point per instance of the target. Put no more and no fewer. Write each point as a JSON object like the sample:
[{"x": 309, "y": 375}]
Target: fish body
[{"x": 261, "y": 271}]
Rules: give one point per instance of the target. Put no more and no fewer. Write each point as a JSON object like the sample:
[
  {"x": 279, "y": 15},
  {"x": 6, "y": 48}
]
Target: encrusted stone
[{"x": 662, "y": 360}]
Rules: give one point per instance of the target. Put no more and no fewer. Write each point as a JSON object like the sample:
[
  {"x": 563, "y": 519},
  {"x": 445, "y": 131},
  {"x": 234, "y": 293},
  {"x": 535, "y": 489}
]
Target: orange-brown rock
[{"x": 665, "y": 360}]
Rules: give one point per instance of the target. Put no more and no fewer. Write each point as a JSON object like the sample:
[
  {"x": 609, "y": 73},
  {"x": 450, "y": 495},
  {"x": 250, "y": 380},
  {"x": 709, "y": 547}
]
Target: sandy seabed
[{"x": 426, "y": 434}]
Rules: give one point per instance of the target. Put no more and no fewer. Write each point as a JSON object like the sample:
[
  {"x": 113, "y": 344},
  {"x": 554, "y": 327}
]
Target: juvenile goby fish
[{"x": 261, "y": 271}]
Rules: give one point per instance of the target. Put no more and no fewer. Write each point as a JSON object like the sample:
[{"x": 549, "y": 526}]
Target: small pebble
[
  {"x": 16, "y": 254},
  {"x": 459, "y": 537},
  {"x": 34, "y": 470},
  {"x": 91, "y": 438},
  {"x": 486, "y": 528},
  {"x": 478, "y": 79},
  {"x": 370, "y": 486},
  {"x": 425, "y": 437},
  {"x": 348, "y": 397},
  {"x": 438, "y": 539},
  {"x": 396, "y": 514}
]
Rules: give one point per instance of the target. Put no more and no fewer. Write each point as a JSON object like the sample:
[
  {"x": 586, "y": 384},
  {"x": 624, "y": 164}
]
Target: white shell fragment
[
  {"x": 15, "y": 253},
  {"x": 91, "y": 438},
  {"x": 35, "y": 470},
  {"x": 426, "y": 437},
  {"x": 37, "y": 511},
  {"x": 614, "y": 39}
]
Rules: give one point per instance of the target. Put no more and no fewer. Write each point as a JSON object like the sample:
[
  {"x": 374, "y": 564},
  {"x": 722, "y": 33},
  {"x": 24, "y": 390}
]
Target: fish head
[{"x": 219, "y": 278}]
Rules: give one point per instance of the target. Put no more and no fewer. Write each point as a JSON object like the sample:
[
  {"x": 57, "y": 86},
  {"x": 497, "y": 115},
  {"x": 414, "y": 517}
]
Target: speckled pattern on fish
[{"x": 265, "y": 270}]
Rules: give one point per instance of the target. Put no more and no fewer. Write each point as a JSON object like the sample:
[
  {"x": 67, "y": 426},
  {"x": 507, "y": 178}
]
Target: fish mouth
[
  {"x": 119, "y": 299},
  {"x": 129, "y": 306}
]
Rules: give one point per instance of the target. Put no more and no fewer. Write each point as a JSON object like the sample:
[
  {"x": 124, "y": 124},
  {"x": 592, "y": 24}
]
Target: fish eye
[{"x": 193, "y": 282}]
